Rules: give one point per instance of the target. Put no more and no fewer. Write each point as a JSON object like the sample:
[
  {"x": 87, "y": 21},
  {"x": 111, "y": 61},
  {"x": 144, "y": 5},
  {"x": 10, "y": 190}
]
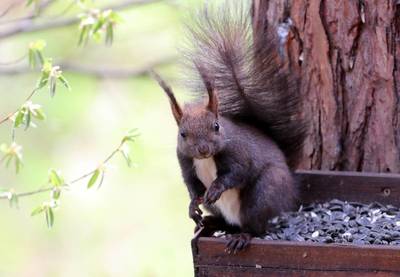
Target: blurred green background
[{"x": 137, "y": 223}]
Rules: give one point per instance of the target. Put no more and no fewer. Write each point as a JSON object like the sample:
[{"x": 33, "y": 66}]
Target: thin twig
[
  {"x": 46, "y": 189},
  {"x": 22, "y": 194},
  {"x": 103, "y": 163},
  {"x": 26, "y": 100},
  {"x": 27, "y": 26}
]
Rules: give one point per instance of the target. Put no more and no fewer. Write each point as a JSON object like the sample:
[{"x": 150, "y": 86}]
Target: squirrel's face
[{"x": 200, "y": 133}]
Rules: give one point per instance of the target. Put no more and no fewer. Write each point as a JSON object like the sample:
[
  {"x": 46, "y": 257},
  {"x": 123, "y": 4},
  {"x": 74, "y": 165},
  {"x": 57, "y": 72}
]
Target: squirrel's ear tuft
[
  {"x": 212, "y": 101},
  {"x": 212, "y": 95},
  {"x": 176, "y": 109}
]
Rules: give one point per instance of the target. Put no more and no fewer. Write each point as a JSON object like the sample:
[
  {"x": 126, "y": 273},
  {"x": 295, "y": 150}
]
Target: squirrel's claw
[
  {"x": 237, "y": 242},
  {"x": 195, "y": 212},
  {"x": 213, "y": 193}
]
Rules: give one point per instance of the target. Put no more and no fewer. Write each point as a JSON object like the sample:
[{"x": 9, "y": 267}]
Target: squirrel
[{"x": 238, "y": 141}]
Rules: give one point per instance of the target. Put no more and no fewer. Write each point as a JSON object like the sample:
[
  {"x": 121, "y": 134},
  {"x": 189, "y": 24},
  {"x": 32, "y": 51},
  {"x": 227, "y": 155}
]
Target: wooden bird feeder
[{"x": 286, "y": 258}]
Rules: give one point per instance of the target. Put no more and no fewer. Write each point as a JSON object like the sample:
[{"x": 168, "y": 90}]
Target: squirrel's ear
[
  {"x": 176, "y": 109},
  {"x": 212, "y": 95},
  {"x": 212, "y": 100}
]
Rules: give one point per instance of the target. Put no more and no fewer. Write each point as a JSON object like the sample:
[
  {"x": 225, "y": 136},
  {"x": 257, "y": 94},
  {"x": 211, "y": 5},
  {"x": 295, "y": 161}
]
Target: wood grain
[
  {"x": 293, "y": 257},
  {"x": 320, "y": 186}
]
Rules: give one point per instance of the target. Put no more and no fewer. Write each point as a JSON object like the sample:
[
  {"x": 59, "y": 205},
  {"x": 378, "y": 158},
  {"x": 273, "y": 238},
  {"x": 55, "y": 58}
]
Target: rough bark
[{"x": 348, "y": 55}]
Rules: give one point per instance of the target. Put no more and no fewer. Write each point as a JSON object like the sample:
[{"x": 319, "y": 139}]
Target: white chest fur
[{"x": 229, "y": 203}]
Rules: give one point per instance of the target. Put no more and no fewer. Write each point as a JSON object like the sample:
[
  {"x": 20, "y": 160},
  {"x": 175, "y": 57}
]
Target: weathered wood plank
[
  {"x": 300, "y": 256},
  {"x": 319, "y": 186},
  {"x": 247, "y": 272}
]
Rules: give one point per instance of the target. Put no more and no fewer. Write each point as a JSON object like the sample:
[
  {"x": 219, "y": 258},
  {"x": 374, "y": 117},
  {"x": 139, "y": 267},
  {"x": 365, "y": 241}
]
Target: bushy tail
[{"x": 252, "y": 84}]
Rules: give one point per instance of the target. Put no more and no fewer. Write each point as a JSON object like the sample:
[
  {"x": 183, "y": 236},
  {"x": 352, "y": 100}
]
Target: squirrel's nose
[{"x": 203, "y": 149}]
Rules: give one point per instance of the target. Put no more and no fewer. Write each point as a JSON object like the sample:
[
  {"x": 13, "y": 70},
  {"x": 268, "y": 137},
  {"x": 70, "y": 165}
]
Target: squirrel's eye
[
  {"x": 216, "y": 126},
  {"x": 183, "y": 134}
]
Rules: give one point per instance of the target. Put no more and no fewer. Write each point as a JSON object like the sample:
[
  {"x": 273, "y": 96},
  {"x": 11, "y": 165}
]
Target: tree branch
[
  {"x": 26, "y": 100},
  {"x": 7, "y": 195},
  {"x": 98, "y": 72},
  {"x": 42, "y": 6},
  {"x": 27, "y": 26},
  {"x": 23, "y": 194}
]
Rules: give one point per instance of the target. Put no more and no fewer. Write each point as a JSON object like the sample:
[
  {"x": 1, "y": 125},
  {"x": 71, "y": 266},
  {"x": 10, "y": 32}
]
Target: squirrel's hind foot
[{"x": 237, "y": 242}]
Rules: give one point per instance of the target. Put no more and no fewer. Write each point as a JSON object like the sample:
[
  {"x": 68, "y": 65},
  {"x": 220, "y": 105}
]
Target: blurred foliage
[
  {"x": 137, "y": 223},
  {"x": 93, "y": 22}
]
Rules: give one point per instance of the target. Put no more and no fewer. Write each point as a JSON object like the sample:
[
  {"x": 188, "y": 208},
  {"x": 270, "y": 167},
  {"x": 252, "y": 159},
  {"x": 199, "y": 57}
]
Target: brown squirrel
[{"x": 234, "y": 150}]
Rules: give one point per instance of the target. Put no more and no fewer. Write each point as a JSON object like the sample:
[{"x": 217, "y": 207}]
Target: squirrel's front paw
[
  {"x": 195, "y": 212},
  {"x": 213, "y": 193}
]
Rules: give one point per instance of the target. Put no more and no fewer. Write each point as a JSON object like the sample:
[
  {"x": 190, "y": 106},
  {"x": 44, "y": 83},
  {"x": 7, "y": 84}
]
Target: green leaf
[
  {"x": 125, "y": 153},
  {"x": 95, "y": 23},
  {"x": 101, "y": 179},
  {"x": 64, "y": 82},
  {"x": 39, "y": 114},
  {"x": 50, "y": 75},
  {"x": 9, "y": 158},
  {"x": 56, "y": 193},
  {"x": 98, "y": 26},
  {"x": 19, "y": 118},
  {"x": 109, "y": 34},
  {"x": 27, "y": 119},
  {"x": 55, "y": 178},
  {"x": 97, "y": 37},
  {"x": 38, "y": 45},
  {"x": 36, "y": 52},
  {"x": 37, "y": 210},
  {"x": 17, "y": 164},
  {"x": 12, "y": 152},
  {"x": 46, "y": 70},
  {"x": 42, "y": 82},
  {"x": 94, "y": 178},
  {"x": 130, "y": 136},
  {"x": 31, "y": 56},
  {"x": 49, "y": 217},
  {"x": 26, "y": 112},
  {"x": 115, "y": 17},
  {"x": 40, "y": 57},
  {"x": 52, "y": 85},
  {"x": 83, "y": 35}
]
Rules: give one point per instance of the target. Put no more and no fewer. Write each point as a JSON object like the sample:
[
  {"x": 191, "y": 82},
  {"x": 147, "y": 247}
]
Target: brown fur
[{"x": 233, "y": 149}]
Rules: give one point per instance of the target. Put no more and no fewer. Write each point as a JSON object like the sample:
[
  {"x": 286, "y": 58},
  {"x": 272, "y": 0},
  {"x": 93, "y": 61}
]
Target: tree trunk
[{"x": 348, "y": 55}]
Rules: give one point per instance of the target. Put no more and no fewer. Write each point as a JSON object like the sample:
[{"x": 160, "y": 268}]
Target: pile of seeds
[{"x": 339, "y": 222}]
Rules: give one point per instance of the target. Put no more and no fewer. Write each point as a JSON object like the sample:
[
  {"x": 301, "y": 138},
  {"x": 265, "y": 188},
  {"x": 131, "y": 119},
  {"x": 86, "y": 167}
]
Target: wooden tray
[{"x": 283, "y": 258}]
